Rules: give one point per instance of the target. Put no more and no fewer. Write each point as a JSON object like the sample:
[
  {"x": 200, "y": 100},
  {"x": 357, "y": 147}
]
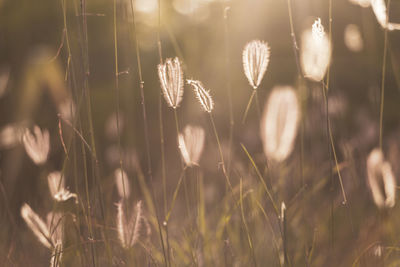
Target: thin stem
[
  {"x": 383, "y": 80},
  {"x": 175, "y": 194},
  {"x": 333, "y": 148},
  {"x": 228, "y": 84},
  {"x": 117, "y": 96},
  {"x": 146, "y": 134},
  {"x": 220, "y": 152},
  {"x": 245, "y": 223},
  {"x": 261, "y": 180},
  {"x": 248, "y": 105},
  {"x": 294, "y": 42}
]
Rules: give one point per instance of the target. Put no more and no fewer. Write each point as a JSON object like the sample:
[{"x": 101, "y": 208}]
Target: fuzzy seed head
[
  {"x": 191, "y": 143},
  {"x": 255, "y": 61},
  {"x": 202, "y": 95},
  {"x": 36, "y": 224},
  {"x": 380, "y": 11},
  {"x": 279, "y": 123},
  {"x": 171, "y": 79},
  {"x": 37, "y": 145},
  {"x": 352, "y": 38},
  {"x": 362, "y": 3},
  {"x": 56, "y": 183},
  {"x": 122, "y": 182},
  {"x": 315, "y": 54},
  {"x": 381, "y": 180},
  {"x": 133, "y": 229}
]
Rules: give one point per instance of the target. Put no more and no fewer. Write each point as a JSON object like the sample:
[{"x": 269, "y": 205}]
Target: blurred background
[{"x": 54, "y": 53}]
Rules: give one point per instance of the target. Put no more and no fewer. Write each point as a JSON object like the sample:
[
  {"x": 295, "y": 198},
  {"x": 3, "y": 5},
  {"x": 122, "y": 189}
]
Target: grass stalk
[
  {"x": 146, "y": 134},
  {"x": 228, "y": 85},
  {"x": 382, "y": 100}
]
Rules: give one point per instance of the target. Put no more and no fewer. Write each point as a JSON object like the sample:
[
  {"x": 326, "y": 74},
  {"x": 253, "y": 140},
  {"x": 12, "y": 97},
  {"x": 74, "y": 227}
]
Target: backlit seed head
[
  {"x": 255, "y": 61},
  {"x": 36, "y": 224},
  {"x": 202, "y": 95},
  {"x": 37, "y": 145},
  {"x": 379, "y": 8},
  {"x": 133, "y": 229},
  {"x": 315, "y": 53},
  {"x": 56, "y": 183},
  {"x": 171, "y": 79},
  {"x": 122, "y": 182},
  {"x": 279, "y": 123},
  {"x": 191, "y": 143},
  {"x": 381, "y": 180},
  {"x": 362, "y": 3},
  {"x": 352, "y": 38},
  {"x": 11, "y": 135}
]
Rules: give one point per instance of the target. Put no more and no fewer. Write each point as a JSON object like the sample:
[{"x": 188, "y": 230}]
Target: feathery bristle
[
  {"x": 171, "y": 79},
  {"x": 134, "y": 229},
  {"x": 202, "y": 95},
  {"x": 279, "y": 123},
  {"x": 122, "y": 182},
  {"x": 191, "y": 143},
  {"x": 37, "y": 145},
  {"x": 255, "y": 61},
  {"x": 381, "y": 180},
  {"x": 121, "y": 224},
  {"x": 315, "y": 53},
  {"x": 38, "y": 227}
]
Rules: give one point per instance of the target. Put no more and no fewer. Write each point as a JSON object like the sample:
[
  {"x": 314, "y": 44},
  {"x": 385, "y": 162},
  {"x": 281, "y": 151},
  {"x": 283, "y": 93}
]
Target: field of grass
[{"x": 199, "y": 133}]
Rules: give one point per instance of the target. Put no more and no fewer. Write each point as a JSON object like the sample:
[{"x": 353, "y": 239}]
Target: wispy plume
[
  {"x": 202, "y": 95},
  {"x": 133, "y": 229},
  {"x": 381, "y": 180},
  {"x": 56, "y": 183},
  {"x": 191, "y": 143},
  {"x": 255, "y": 61},
  {"x": 171, "y": 79},
  {"x": 37, "y": 145},
  {"x": 122, "y": 182},
  {"x": 279, "y": 123},
  {"x": 315, "y": 53}
]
